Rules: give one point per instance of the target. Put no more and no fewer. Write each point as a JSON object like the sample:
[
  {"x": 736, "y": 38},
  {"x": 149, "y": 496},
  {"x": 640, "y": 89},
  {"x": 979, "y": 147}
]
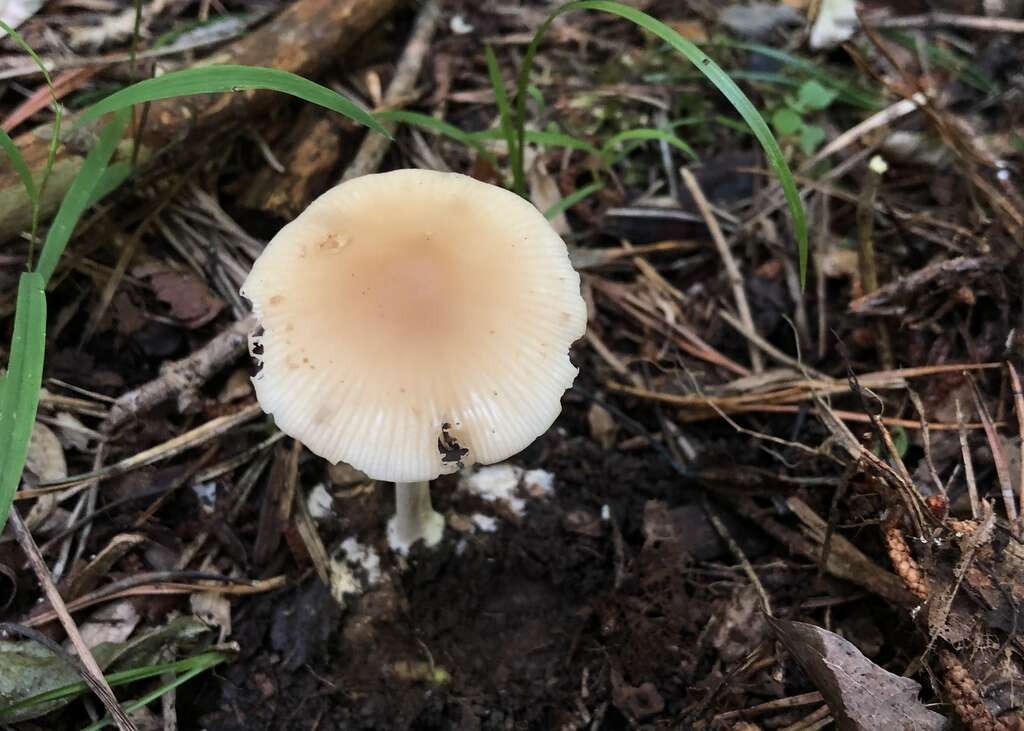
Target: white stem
[{"x": 414, "y": 519}]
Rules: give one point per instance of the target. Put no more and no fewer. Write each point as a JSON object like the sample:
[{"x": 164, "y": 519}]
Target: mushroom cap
[{"x": 413, "y": 321}]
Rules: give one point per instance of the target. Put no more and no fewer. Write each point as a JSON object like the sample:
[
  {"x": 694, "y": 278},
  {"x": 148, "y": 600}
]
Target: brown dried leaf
[
  {"x": 861, "y": 695},
  {"x": 602, "y": 426},
  {"x": 637, "y": 702},
  {"x": 190, "y": 301}
]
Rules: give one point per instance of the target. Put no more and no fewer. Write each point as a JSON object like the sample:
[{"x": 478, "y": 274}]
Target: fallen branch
[
  {"x": 182, "y": 375},
  {"x": 306, "y": 37}
]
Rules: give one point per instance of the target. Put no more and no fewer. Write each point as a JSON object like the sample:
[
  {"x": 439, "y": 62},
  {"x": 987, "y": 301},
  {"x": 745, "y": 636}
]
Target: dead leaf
[
  {"x": 28, "y": 668},
  {"x": 603, "y": 428},
  {"x": 45, "y": 455},
  {"x": 637, "y": 702},
  {"x": 73, "y": 434},
  {"x": 46, "y": 461},
  {"x": 759, "y": 20},
  {"x": 861, "y": 695},
  {"x": 544, "y": 191},
  {"x": 738, "y": 626},
  {"x": 214, "y": 610},
  {"x": 190, "y": 302},
  {"x": 112, "y": 623}
]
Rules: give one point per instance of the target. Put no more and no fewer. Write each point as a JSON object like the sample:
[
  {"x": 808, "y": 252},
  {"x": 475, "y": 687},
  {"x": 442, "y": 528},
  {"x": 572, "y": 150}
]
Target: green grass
[
  {"x": 34, "y": 194},
  {"x": 20, "y": 386},
  {"x": 711, "y": 70},
  {"x": 573, "y": 198},
  {"x": 187, "y": 667},
  {"x": 439, "y": 126},
  {"x": 849, "y": 92},
  {"x": 19, "y": 389},
  {"x": 224, "y": 78},
  {"x": 80, "y": 194}
]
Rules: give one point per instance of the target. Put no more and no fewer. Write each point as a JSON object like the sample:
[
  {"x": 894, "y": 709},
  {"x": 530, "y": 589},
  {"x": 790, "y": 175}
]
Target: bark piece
[{"x": 304, "y": 38}]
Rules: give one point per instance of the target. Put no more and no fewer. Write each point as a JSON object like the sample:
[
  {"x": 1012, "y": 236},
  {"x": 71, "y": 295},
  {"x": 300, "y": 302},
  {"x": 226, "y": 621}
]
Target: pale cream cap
[{"x": 412, "y": 311}]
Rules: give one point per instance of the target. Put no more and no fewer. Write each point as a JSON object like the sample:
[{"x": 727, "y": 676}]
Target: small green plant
[{"x": 792, "y": 118}]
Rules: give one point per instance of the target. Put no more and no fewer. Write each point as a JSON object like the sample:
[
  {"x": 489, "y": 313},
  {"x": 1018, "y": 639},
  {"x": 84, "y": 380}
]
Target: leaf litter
[{"x": 849, "y": 451}]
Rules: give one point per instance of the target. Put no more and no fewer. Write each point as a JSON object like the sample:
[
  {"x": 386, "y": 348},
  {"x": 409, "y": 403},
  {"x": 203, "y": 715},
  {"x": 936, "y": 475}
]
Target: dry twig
[
  {"x": 92, "y": 674},
  {"x": 732, "y": 269},
  {"x": 374, "y": 146}
]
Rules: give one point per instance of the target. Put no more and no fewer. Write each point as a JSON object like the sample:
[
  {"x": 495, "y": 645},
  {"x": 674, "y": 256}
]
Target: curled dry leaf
[
  {"x": 861, "y": 695},
  {"x": 46, "y": 461},
  {"x": 214, "y": 610},
  {"x": 188, "y": 298}
]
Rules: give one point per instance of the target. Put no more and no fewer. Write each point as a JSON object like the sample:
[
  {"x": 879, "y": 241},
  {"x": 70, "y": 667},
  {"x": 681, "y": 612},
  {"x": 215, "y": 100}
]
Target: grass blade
[
  {"x": 19, "y": 397},
  {"x": 572, "y": 199},
  {"x": 36, "y": 195},
  {"x": 156, "y": 693},
  {"x": 647, "y": 133},
  {"x": 109, "y": 181},
  {"x": 545, "y": 139},
  {"x": 850, "y": 93},
  {"x": 515, "y": 150},
  {"x": 706, "y": 66},
  {"x": 198, "y": 662},
  {"x": 19, "y": 166},
  {"x": 439, "y": 126},
  {"x": 79, "y": 195},
  {"x": 213, "y": 79}
]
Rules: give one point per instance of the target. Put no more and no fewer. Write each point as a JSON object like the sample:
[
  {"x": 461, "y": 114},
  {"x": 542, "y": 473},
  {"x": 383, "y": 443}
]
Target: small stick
[
  {"x": 189, "y": 372},
  {"x": 972, "y": 487},
  {"x": 92, "y": 674},
  {"x": 866, "y": 244},
  {"x": 1002, "y": 469},
  {"x": 926, "y": 440},
  {"x": 821, "y": 217},
  {"x": 819, "y": 719},
  {"x": 1018, "y": 406},
  {"x": 731, "y": 268},
  {"x": 974, "y": 22},
  {"x": 374, "y": 146},
  {"x": 738, "y": 554},
  {"x": 793, "y": 701}
]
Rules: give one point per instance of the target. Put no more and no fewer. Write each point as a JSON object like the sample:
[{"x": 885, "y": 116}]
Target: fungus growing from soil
[{"x": 413, "y": 322}]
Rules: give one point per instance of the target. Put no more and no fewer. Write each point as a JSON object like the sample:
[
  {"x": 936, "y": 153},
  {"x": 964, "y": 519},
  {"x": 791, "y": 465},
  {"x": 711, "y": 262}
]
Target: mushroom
[{"x": 413, "y": 322}]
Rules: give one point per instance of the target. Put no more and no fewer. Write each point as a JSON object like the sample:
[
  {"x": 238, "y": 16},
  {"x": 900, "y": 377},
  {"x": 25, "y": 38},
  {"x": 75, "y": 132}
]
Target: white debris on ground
[
  {"x": 354, "y": 569},
  {"x": 320, "y": 503},
  {"x": 459, "y": 26},
  {"x": 836, "y": 23},
  {"x": 539, "y": 483},
  {"x": 206, "y": 492},
  {"x": 501, "y": 482},
  {"x": 485, "y": 523}
]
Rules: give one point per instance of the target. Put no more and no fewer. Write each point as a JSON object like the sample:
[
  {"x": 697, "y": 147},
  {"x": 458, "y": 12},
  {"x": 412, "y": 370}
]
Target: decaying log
[
  {"x": 309, "y": 154},
  {"x": 304, "y": 38}
]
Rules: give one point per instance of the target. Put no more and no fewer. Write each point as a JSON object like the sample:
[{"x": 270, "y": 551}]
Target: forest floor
[{"x": 764, "y": 505}]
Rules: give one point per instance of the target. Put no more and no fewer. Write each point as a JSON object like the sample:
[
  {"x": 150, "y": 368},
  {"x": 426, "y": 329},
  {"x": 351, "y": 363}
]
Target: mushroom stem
[{"x": 415, "y": 519}]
